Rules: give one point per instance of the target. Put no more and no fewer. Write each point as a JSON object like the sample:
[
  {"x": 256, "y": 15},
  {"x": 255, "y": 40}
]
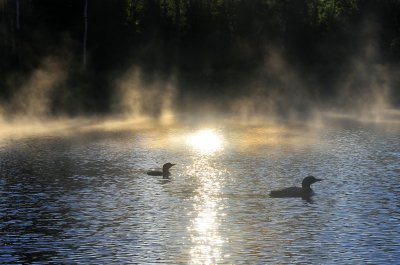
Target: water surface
[{"x": 87, "y": 199}]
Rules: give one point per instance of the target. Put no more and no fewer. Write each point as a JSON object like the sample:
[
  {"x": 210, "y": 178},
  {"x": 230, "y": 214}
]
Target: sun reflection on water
[{"x": 204, "y": 228}]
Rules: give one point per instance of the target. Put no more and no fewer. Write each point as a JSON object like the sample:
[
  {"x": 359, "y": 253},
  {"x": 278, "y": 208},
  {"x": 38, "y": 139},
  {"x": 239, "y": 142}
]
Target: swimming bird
[
  {"x": 305, "y": 191},
  {"x": 165, "y": 171}
]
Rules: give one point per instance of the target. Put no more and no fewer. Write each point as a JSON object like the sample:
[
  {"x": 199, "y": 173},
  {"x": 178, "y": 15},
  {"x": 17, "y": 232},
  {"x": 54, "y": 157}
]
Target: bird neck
[{"x": 306, "y": 187}]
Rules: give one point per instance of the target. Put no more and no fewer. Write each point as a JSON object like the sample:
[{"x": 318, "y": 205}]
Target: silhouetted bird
[
  {"x": 305, "y": 191},
  {"x": 165, "y": 171}
]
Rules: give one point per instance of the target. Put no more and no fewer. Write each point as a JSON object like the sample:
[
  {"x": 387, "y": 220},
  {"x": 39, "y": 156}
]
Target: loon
[
  {"x": 305, "y": 191},
  {"x": 165, "y": 171}
]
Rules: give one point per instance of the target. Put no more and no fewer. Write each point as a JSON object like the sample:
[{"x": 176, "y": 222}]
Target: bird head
[
  {"x": 167, "y": 166},
  {"x": 307, "y": 181}
]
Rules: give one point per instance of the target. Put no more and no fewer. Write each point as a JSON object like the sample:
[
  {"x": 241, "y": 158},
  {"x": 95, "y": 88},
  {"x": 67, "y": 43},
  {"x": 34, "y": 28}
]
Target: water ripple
[{"x": 88, "y": 200}]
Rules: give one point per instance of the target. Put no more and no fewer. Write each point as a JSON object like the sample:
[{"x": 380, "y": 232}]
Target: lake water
[{"x": 87, "y": 199}]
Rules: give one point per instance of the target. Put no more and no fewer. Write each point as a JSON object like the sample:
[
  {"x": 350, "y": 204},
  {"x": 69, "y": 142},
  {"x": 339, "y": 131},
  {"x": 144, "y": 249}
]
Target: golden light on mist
[
  {"x": 206, "y": 141},
  {"x": 135, "y": 98}
]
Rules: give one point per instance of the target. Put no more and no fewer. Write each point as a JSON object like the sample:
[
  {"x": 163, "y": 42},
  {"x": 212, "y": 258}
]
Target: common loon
[
  {"x": 305, "y": 191},
  {"x": 165, "y": 171}
]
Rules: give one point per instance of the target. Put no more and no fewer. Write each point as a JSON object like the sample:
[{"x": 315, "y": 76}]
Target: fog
[
  {"x": 362, "y": 95},
  {"x": 267, "y": 76},
  {"x": 133, "y": 99}
]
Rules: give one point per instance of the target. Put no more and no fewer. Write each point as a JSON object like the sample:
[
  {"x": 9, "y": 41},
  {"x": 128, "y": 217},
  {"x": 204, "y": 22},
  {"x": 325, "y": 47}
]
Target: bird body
[
  {"x": 303, "y": 191},
  {"x": 165, "y": 171},
  {"x": 155, "y": 173},
  {"x": 290, "y": 192}
]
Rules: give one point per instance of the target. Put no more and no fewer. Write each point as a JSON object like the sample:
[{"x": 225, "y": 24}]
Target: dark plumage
[
  {"x": 165, "y": 171},
  {"x": 305, "y": 190}
]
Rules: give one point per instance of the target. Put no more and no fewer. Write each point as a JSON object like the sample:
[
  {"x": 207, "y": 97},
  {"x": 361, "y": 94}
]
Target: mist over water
[
  {"x": 278, "y": 93},
  {"x": 266, "y": 79}
]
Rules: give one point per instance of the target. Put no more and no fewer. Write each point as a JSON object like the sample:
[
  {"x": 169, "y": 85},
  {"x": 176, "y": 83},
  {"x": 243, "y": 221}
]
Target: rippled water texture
[{"x": 87, "y": 198}]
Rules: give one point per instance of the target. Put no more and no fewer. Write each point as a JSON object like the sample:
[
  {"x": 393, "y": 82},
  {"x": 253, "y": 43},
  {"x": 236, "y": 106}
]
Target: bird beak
[
  {"x": 173, "y": 165},
  {"x": 318, "y": 180}
]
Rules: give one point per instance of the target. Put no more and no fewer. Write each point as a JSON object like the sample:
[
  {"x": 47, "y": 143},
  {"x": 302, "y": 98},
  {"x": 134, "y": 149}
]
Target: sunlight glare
[
  {"x": 205, "y": 141},
  {"x": 207, "y": 241}
]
